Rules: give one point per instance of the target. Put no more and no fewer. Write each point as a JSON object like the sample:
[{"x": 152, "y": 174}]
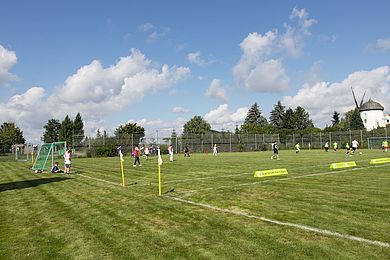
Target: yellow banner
[
  {"x": 272, "y": 172},
  {"x": 342, "y": 165},
  {"x": 380, "y": 160}
]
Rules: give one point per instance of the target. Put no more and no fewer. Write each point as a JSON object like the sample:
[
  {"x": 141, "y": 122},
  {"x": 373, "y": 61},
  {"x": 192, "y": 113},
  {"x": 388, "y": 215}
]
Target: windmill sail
[{"x": 354, "y": 98}]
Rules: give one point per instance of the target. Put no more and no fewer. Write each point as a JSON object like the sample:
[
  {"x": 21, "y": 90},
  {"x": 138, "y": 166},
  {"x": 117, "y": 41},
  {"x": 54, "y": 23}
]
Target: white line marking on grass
[
  {"x": 96, "y": 179},
  {"x": 299, "y": 226},
  {"x": 282, "y": 179},
  {"x": 205, "y": 178}
]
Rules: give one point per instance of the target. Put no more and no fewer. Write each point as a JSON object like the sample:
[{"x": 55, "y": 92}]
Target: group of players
[{"x": 351, "y": 149}]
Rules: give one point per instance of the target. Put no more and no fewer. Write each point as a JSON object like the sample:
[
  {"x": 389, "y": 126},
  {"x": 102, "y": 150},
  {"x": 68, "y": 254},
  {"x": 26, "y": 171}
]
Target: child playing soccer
[
  {"x": 136, "y": 156},
  {"x": 297, "y": 148},
  {"x": 170, "y": 151},
  {"x": 68, "y": 158},
  {"x": 276, "y": 151}
]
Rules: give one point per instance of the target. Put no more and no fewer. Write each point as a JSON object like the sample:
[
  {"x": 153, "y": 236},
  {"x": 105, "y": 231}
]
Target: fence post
[
  {"x": 361, "y": 138},
  {"x": 320, "y": 141},
  {"x": 230, "y": 142},
  {"x": 350, "y": 136},
  {"x": 293, "y": 140},
  {"x": 255, "y": 143}
]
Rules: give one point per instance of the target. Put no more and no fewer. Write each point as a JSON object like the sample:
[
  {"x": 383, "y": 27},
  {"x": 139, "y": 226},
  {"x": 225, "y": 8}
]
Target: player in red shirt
[{"x": 136, "y": 157}]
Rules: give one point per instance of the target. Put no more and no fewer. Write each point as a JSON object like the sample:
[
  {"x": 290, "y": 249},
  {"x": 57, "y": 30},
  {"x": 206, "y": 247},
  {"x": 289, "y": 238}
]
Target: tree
[
  {"x": 289, "y": 120},
  {"x": 78, "y": 126},
  {"x": 52, "y": 131},
  {"x": 302, "y": 119},
  {"x": 356, "y": 121},
  {"x": 277, "y": 115},
  {"x": 10, "y": 134},
  {"x": 129, "y": 129},
  {"x": 335, "y": 119},
  {"x": 196, "y": 125},
  {"x": 66, "y": 131},
  {"x": 254, "y": 116}
]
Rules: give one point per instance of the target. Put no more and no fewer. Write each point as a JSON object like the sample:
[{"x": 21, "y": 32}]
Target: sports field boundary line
[
  {"x": 231, "y": 175},
  {"x": 97, "y": 179},
  {"x": 282, "y": 223},
  {"x": 284, "y": 179}
]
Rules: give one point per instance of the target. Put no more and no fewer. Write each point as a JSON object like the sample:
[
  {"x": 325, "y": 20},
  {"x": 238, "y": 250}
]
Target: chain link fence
[{"x": 226, "y": 142}]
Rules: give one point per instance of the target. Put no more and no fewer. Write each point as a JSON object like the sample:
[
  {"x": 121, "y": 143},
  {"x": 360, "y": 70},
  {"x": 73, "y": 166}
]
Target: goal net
[
  {"x": 376, "y": 142},
  {"x": 47, "y": 153}
]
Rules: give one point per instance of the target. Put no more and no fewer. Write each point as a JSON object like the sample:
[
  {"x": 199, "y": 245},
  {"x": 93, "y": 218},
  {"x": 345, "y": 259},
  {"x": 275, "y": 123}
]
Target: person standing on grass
[
  {"x": 326, "y": 146},
  {"x": 146, "y": 152},
  {"x": 136, "y": 156},
  {"x": 68, "y": 160},
  {"x": 276, "y": 151},
  {"x": 170, "y": 151},
  {"x": 215, "y": 150},
  {"x": 186, "y": 151}
]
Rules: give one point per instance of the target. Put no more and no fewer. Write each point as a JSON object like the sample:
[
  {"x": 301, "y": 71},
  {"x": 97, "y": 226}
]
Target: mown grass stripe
[{"x": 299, "y": 226}]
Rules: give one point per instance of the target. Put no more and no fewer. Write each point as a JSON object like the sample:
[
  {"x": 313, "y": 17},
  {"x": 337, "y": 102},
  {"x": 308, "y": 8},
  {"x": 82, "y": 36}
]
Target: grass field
[{"x": 212, "y": 208}]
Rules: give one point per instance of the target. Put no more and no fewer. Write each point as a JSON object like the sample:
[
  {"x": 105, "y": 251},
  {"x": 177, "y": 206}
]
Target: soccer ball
[{"x": 360, "y": 153}]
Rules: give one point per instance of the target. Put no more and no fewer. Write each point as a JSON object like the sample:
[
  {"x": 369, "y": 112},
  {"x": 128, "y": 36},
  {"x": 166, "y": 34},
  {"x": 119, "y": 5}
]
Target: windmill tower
[{"x": 371, "y": 112}]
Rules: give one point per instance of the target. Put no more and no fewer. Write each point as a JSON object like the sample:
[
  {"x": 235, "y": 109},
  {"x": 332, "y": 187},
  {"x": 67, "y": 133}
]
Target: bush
[{"x": 106, "y": 151}]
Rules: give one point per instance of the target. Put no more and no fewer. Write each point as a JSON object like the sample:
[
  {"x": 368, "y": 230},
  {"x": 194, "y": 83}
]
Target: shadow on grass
[{"x": 29, "y": 183}]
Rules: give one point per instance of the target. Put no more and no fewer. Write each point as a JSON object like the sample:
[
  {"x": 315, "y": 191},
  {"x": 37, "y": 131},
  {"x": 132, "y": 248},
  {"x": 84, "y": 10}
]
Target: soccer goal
[
  {"x": 375, "y": 142},
  {"x": 22, "y": 152},
  {"x": 48, "y": 152}
]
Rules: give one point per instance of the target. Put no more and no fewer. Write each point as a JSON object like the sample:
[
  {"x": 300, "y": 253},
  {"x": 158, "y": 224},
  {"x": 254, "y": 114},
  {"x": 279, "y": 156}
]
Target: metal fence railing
[{"x": 226, "y": 141}]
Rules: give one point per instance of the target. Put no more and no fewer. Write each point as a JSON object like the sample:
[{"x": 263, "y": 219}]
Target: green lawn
[{"x": 212, "y": 208}]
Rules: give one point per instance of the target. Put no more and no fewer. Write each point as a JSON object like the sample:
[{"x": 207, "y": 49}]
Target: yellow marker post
[
  {"x": 121, "y": 163},
  {"x": 273, "y": 172},
  {"x": 380, "y": 161},
  {"x": 159, "y": 162},
  {"x": 32, "y": 157},
  {"x": 123, "y": 174}
]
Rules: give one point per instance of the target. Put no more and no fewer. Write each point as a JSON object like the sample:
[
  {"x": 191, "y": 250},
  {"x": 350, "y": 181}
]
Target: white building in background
[{"x": 371, "y": 113}]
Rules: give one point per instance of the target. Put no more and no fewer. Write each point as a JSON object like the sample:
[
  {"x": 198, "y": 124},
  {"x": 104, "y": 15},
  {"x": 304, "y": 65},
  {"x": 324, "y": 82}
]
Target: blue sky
[{"x": 159, "y": 63}]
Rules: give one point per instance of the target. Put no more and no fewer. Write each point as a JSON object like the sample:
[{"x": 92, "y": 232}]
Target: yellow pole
[
  {"x": 123, "y": 175},
  {"x": 32, "y": 157}
]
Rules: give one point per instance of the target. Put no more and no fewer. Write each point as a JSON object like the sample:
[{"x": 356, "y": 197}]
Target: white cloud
[
  {"x": 180, "y": 110},
  {"x": 222, "y": 117},
  {"x": 154, "y": 33},
  {"x": 254, "y": 70},
  {"x": 260, "y": 68},
  {"x": 7, "y": 60},
  {"x": 321, "y": 99},
  {"x": 146, "y": 27},
  {"x": 93, "y": 90},
  {"x": 216, "y": 91},
  {"x": 383, "y": 44},
  {"x": 293, "y": 40},
  {"x": 194, "y": 57}
]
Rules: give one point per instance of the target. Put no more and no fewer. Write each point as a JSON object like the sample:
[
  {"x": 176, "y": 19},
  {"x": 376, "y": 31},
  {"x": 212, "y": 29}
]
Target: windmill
[{"x": 354, "y": 98}]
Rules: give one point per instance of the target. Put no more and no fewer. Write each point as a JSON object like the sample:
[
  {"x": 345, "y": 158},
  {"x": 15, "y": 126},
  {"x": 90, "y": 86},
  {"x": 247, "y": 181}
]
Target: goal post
[
  {"x": 48, "y": 151},
  {"x": 375, "y": 142}
]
